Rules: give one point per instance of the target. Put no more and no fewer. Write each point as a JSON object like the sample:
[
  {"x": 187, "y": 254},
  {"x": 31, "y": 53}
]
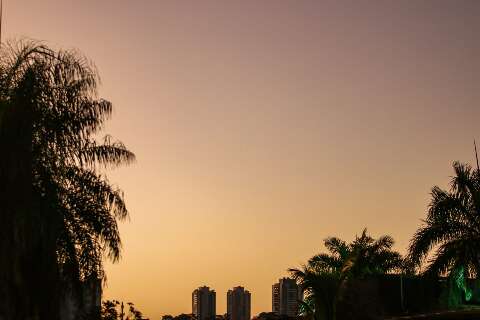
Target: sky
[{"x": 262, "y": 127}]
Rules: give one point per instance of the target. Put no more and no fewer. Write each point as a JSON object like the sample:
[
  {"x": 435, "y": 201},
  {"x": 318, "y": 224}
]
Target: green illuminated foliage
[{"x": 458, "y": 276}]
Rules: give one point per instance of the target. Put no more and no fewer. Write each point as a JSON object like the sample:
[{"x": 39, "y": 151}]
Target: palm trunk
[{"x": 28, "y": 267}]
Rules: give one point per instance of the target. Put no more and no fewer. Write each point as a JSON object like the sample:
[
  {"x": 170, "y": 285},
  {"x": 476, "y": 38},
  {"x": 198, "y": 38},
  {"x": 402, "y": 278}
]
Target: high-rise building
[
  {"x": 238, "y": 304},
  {"x": 276, "y": 298},
  {"x": 204, "y": 303},
  {"x": 285, "y": 297}
]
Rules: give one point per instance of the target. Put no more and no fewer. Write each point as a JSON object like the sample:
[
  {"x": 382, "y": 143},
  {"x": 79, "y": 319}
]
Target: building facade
[
  {"x": 238, "y": 304},
  {"x": 204, "y": 303},
  {"x": 285, "y": 297}
]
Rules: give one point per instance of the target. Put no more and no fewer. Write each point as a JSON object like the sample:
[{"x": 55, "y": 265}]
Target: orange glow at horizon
[{"x": 262, "y": 127}]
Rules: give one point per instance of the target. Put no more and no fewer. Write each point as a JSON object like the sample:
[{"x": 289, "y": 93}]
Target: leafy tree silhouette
[
  {"x": 322, "y": 277},
  {"x": 451, "y": 229},
  {"x": 115, "y": 310},
  {"x": 57, "y": 210}
]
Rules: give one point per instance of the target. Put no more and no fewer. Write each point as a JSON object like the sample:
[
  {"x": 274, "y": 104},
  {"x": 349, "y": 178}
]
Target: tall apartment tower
[
  {"x": 204, "y": 303},
  {"x": 238, "y": 304},
  {"x": 285, "y": 296}
]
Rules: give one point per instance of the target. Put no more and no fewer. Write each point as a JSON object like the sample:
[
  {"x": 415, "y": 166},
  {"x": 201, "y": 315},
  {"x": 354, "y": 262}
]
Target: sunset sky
[{"x": 262, "y": 127}]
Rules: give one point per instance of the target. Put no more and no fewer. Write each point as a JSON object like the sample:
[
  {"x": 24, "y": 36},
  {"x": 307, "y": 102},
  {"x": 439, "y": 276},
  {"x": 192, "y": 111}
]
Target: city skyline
[
  {"x": 285, "y": 296},
  {"x": 262, "y": 127}
]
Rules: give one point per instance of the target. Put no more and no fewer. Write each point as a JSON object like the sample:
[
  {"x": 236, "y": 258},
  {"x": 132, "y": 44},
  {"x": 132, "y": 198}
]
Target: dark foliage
[
  {"x": 57, "y": 211},
  {"x": 452, "y": 227},
  {"x": 326, "y": 274}
]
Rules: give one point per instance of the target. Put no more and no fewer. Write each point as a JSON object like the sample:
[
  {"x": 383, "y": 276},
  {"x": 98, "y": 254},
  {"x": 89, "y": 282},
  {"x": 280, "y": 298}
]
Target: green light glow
[
  {"x": 461, "y": 283},
  {"x": 468, "y": 295}
]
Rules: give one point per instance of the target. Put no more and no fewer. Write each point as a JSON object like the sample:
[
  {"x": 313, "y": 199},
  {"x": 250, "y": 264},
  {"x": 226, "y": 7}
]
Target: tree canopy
[
  {"x": 452, "y": 227},
  {"x": 57, "y": 208}
]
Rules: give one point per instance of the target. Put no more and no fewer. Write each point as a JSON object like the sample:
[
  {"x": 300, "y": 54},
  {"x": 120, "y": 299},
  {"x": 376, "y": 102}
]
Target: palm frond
[
  {"x": 452, "y": 226},
  {"x": 109, "y": 153},
  {"x": 336, "y": 246},
  {"x": 50, "y": 114}
]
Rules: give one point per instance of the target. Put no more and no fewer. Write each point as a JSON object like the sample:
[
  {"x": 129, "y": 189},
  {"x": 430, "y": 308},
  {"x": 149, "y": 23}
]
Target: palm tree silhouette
[
  {"x": 321, "y": 290},
  {"x": 58, "y": 211},
  {"x": 325, "y": 273},
  {"x": 363, "y": 256},
  {"x": 452, "y": 227}
]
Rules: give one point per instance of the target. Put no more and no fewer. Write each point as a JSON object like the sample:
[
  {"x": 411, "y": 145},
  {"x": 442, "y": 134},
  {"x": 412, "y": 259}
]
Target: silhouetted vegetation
[
  {"x": 272, "y": 316},
  {"x": 452, "y": 230},
  {"x": 116, "y": 310},
  {"x": 324, "y": 275},
  {"x": 190, "y": 316},
  {"x": 364, "y": 256},
  {"x": 58, "y": 212}
]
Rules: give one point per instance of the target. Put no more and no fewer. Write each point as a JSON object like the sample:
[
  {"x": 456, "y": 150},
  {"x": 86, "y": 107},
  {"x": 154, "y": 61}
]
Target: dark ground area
[{"x": 449, "y": 315}]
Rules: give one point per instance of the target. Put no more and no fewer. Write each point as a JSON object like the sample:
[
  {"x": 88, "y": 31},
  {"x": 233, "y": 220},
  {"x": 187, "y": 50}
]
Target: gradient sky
[{"x": 262, "y": 127}]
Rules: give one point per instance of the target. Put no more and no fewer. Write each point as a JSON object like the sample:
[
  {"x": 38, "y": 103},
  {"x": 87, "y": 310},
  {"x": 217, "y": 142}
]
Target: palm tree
[
  {"x": 362, "y": 257},
  {"x": 452, "y": 227},
  {"x": 324, "y": 275},
  {"x": 58, "y": 212},
  {"x": 321, "y": 291}
]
